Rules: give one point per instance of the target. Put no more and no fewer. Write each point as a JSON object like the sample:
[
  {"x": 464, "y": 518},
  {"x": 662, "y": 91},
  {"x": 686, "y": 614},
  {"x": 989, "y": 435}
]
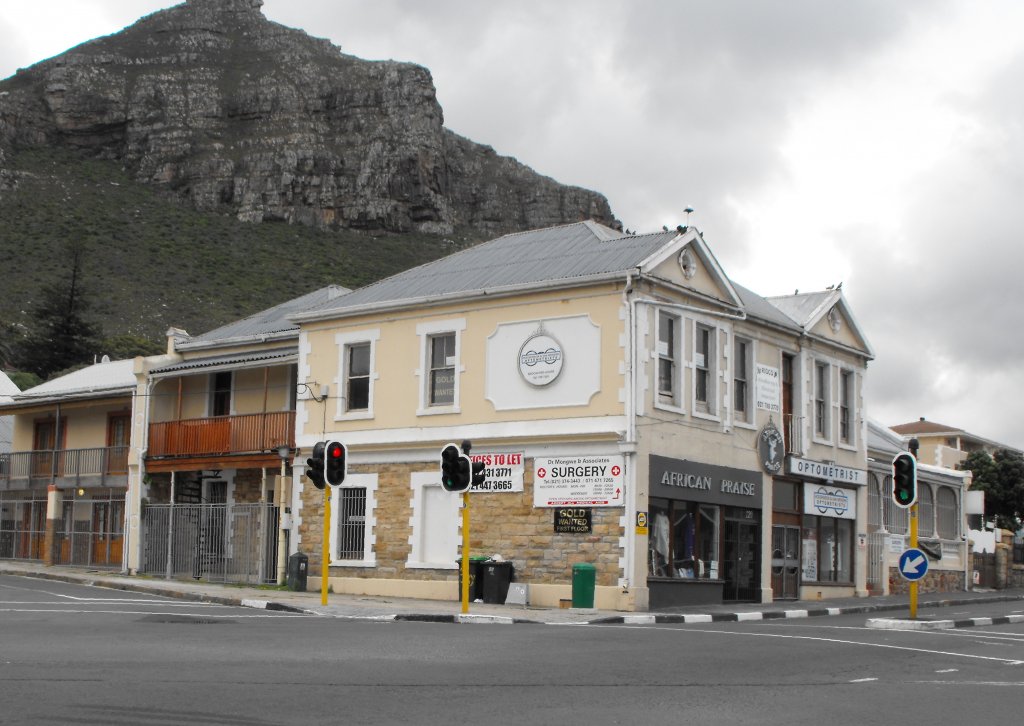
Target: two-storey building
[
  {"x": 63, "y": 484},
  {"x": 214, "y": 445},
  {"x": 636, "y": 409}
]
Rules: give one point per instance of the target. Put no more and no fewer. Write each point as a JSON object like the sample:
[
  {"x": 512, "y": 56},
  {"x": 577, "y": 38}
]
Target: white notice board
[{"x": 579, "y": 481}]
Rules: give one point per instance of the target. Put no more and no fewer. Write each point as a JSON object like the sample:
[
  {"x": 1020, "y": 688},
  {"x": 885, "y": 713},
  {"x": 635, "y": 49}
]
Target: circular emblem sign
[
  {"x": 540, "y": 360},
  {"x": 771, "y": 448}
]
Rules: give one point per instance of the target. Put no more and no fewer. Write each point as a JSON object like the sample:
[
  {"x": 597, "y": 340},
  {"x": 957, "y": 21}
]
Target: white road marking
[
  {"x": 948, "y": 670},
  {"x": 1008, "y": 661},
  {"x": 863, "y": 680},
  {"x": 72, "y": 611}
]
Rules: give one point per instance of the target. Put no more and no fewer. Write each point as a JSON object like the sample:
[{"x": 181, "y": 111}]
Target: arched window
[
  {"x": 874, "y": 503},
  {"x": 948, "y": 513},
  {"x": 896, "y": 518},
  {"x": 925, "y": 510}
]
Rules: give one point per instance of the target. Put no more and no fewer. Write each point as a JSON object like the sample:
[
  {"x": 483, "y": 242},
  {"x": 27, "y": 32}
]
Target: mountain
[{"x": 234, "y": 113}]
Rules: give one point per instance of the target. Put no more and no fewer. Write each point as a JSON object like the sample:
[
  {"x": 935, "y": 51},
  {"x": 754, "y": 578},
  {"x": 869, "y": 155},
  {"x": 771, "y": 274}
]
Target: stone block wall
[
  {"x": 503, "y": 523},
  {"x": 933, "y": 581}
]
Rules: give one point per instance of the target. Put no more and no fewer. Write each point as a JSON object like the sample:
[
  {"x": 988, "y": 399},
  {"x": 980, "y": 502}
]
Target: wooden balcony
[
  {"x": 255, "y": 433},
  {"x": 100, "y": 466}
]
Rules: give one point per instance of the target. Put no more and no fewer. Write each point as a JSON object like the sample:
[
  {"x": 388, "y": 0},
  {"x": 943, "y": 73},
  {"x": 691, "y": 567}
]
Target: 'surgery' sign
[{"x": 690, "y": 480}]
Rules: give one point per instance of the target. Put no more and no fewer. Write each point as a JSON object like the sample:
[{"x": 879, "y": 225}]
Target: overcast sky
[{"x": 872, "y": 142}]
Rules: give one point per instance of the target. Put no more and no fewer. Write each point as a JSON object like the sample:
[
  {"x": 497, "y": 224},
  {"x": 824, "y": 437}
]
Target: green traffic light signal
[{"x": 904, "y": 479}]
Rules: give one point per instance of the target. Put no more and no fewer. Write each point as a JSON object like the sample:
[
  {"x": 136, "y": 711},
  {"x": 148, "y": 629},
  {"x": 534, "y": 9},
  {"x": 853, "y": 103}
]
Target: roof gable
[
  {"x": 827, "y": 316},
  {"x": 688, "y": 262}
]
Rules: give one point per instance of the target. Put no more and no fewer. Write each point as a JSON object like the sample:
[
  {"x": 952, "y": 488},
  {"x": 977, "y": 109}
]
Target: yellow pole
[
  {"x": 465, "y": 552},
  {"x": 325, "y": 554},
  {"x": 913, "y": 545}
]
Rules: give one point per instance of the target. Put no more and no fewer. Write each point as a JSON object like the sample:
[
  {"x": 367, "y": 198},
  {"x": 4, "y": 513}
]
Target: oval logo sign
[{"x": 540, "y": 360}]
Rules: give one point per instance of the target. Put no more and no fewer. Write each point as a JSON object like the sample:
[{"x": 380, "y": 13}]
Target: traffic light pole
[
  {"x": 913, "y": 446},
  {"x": 465, "y": 552},
  {"x": 325, "y": 551}
]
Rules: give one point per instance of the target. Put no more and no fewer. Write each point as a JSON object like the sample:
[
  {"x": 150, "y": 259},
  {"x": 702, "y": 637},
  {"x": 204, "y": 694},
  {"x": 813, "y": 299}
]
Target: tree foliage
[
  {"x": 60, "y": 336},
  {"x": 1001, "y": 477}
]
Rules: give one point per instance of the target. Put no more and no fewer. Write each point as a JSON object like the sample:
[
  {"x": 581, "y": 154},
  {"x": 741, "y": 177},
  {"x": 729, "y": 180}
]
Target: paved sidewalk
[{"x": 448, "y": 611}]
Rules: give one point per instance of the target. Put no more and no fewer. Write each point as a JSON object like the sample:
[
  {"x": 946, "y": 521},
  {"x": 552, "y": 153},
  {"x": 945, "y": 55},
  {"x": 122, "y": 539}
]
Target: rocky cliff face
[{"x": 235, "y": 112}]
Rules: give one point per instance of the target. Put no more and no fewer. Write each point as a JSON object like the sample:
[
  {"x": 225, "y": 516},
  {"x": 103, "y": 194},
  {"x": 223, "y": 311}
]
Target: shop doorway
[
  {"x": 740, "y": 560},
  {"x": 785, "y": 562}
]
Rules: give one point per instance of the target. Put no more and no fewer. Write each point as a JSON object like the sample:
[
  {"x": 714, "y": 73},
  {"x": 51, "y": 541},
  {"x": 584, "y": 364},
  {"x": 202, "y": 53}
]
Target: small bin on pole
[
  {"x": 584, "y": 576},
  {"x": 298, "y": 568}
]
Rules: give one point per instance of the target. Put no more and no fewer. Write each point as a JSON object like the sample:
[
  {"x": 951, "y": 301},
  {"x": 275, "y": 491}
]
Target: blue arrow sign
[{"x": 913, "y": 564}]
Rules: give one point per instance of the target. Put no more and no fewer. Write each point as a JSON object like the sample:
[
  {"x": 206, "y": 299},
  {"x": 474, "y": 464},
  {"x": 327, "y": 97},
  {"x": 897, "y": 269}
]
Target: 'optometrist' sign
[
  {"x": 540, "y": 359},
  {"x": 824, "y": 470},
  {"x": 829, "y": 501}
]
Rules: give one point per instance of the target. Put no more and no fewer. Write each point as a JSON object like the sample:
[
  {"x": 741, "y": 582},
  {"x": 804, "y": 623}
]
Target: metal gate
[
  {"x": 22, "y": 529},
  {"x": 90, "y": 532},
  {"x": 985, "y": 569},
  {"x": 213, "y": 542},
  {"x": 878, "y": 573}
]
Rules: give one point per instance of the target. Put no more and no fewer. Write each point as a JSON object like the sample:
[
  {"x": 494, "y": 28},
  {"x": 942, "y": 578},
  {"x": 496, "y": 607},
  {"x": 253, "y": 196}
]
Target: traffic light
[
  {"x": 315, "y": 465},
  {"x": 335, "y": 463},
  {"x": 478, "y": 473},
  {"x": 456, "y": 471},
  {"x": 904, "y": 479}
]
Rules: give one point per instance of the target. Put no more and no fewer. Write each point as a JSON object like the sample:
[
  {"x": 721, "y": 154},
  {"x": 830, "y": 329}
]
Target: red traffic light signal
[{"x": 335, "y": 463}]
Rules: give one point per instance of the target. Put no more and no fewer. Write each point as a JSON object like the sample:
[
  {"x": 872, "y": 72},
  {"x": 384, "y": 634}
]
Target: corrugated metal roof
[
  {"x": 269, "y": 321},
  {"x": 573, "y": 251},
  {"x": 759, "y": 307},
  {"x": 236, "y": 360},
  {"x": 801, "y": 307},
  {"x": 98, "y": 377}
]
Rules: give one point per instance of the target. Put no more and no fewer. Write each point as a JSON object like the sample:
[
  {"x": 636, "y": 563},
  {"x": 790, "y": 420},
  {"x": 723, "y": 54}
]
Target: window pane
[
  {"x": 844, "y": 550},
  {"x": 659, "y": 544},
  {"x": 809, "y": 556},
  {"x": 948, "y": 513},
  {"x": 351, "y": 523},
  {"x": 359, "y": 394},
  {"x": 925, "y": 510},
  {"x": 784, "y": 496},
  {"x": 359, "y": 360},
  {"x": 442, "y": 386}
]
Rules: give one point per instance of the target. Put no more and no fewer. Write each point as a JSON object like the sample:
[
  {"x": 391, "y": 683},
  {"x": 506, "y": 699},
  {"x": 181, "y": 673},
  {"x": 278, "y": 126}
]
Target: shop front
[
  {"x": 705, "y": 533},
  {"x": 814, "y": 530}
]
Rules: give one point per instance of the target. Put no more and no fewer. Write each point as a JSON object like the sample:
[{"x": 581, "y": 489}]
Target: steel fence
[
  {"x": 878, "y": 571},
  {"x": 22, "y": 529},
  {"x": 91, "y": 533},
  {"x": 213, "y": 542}
]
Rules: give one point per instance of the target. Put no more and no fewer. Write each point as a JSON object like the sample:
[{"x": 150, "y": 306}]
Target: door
[
  {"x": 44, "y": 445},
  {"x": 740, "y": 559},
  {"x": 107, "y": 534},
  {"x": 785, "y": 562},
  {"x": 117, "y": 443}
]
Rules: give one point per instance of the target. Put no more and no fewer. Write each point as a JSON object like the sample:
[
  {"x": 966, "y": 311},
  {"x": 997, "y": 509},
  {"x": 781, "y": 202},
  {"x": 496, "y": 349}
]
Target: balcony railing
[
  {"x": 27, "y": 469},
  {"x": 793, "y": 432},
  {"x": 245, "y": 434}
]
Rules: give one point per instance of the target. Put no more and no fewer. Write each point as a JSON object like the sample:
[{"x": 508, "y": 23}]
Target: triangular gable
[
  {"x": 833, "y": 320},
  {"x": 688, "y": 262}
]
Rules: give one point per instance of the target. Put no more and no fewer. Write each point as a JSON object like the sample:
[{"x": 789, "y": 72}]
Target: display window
[
  {"x": 684, "y": 539},
  {"x": 827, "y": 550}
]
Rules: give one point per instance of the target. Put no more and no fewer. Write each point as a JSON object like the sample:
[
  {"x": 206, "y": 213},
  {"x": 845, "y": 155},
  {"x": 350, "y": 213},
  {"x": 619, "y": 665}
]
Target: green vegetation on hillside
[{"x": 151, "y": 261}]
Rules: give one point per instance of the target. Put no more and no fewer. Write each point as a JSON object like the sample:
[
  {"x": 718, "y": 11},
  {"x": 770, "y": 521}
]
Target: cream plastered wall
[
  {"x": 252, "y": 385},
  {"x": 399, "y": 353},
  {"x": 85, "y": 423},
  {"x": 845, "y": 335},
  {"x": 194, "y": 393},
  {"x": 702, "y": 281}
]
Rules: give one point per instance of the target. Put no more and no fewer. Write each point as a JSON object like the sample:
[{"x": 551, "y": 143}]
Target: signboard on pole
[
  {"x": 913, "y": 564},
  {"x": 579, "y": 481},
  {"x": 767, "y": 389}
]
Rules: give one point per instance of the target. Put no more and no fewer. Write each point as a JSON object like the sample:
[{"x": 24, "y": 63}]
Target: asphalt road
[{"x": 72, "y": 654}]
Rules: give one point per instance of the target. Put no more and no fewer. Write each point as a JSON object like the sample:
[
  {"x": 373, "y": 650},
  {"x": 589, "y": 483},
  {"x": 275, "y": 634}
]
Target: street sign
[{"x": 913, "y": 564}]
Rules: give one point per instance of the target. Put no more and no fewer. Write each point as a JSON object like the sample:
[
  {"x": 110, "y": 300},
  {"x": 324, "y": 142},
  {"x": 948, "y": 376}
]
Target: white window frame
[
  {"x": 749, "y": 415},
  {"x": 823, "y": 385},
  {"x": 369, "y": 483},
  {"x": 708, "y": 409},
  {"x": 426, "y": 331},
  {"x": 669, "y": 350},
  {"x": 850, "y": 442},
  {"x": 344, "y": 341},
  {"x": 422, "y": 524}
]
